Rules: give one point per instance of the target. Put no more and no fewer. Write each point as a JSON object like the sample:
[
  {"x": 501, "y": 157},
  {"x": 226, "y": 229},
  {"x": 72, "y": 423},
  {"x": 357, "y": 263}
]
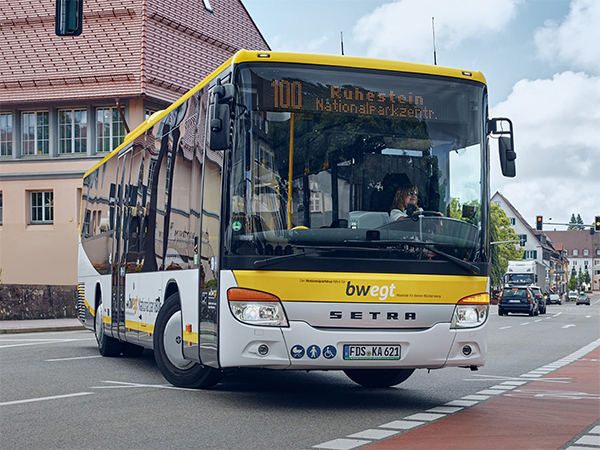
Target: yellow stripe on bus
[{"x": 361, "y": 287}]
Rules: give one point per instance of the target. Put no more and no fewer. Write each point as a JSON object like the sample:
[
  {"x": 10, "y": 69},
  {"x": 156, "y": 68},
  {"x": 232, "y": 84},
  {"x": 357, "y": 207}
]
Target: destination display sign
[{"x": 296, "y": 95}]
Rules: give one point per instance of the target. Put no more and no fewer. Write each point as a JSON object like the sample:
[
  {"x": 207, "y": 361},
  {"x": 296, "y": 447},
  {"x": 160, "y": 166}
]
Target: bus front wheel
[
  {"x": 378, "y": 378},
  {"x": 107, "y": 346},
  {"x": 168, "y": 351}
]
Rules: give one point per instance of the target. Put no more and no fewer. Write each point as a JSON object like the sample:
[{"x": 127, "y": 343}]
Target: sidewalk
[{"x": 31, "y": 326}]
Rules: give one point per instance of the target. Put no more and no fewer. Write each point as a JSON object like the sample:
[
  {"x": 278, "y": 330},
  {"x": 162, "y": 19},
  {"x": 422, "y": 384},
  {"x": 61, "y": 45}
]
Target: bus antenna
[
  {"x": 342, "y": 41},
  {"x": 434, "y": 52}
]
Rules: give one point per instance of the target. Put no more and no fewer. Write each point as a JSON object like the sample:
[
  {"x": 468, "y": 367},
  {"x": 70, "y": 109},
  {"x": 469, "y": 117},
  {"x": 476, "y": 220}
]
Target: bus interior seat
[
  {"x": 368, "y": 219},
  {"x": 381, "y": 200}
]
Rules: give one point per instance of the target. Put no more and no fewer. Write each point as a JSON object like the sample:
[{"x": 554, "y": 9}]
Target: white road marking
[
  {"x": 122, "y": 384},
  {"x": 444, "y": 409},
  {"x": 402, "y": 424},
  {"x": 41, "y": 399},
  {"x": 525, "y": 323},
  {"x": 569, "y": 325},
  {"x": 341, "y": 444},
  {"x": 71, "y": 359},
  {"x": 40, "y": 342},
  {"x": 505, "y": 328},
  {"x": 425, "y": 416},
  {"x": 373, "y": 434},
  {"x": 476, "y": 397}
]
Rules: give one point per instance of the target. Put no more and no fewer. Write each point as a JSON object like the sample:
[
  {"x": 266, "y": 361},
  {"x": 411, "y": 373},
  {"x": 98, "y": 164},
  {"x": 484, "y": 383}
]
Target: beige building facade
[{"x": 65, "y": 103}]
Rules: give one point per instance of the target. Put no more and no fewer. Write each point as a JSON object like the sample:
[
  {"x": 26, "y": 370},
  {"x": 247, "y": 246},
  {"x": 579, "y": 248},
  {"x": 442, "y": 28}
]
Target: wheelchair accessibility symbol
[{"x": 329, "y": 352}]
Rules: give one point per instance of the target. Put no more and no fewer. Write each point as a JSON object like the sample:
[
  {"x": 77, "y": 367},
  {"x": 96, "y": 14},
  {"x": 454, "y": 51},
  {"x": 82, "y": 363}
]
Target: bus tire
[
  {"x": 107, "y": 346},
  {"x": 378, "y": 378},
  {"x": 168, "y": 351}
]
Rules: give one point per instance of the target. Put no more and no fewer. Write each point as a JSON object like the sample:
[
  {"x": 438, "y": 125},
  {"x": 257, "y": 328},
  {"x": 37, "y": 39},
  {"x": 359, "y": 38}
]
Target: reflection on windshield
[{"x": 321, "y": 158}]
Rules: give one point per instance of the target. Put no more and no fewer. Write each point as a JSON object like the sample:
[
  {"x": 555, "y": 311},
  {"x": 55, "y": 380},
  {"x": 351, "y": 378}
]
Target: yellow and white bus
[{"x": 248, "y": 224}]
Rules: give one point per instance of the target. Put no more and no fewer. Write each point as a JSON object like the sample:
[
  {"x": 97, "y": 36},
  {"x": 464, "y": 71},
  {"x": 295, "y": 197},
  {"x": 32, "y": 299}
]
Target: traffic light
[
  {"x": 597, "y": 223},
  {"x": 538, "y": 223}
]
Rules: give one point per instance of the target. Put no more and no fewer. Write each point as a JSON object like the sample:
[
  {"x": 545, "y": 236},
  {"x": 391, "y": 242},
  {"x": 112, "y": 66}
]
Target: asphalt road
[{"x": 56, "y": 392}]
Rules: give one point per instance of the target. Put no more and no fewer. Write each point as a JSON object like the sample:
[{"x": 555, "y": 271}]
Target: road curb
[{"x": 39, "y": 329}]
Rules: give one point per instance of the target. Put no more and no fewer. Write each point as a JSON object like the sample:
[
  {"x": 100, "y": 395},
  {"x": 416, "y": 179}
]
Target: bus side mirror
[
  {"x": 69, "y": 17},
  {"x": 220, "y": 116},
  {"x": 506, "y": 145}
]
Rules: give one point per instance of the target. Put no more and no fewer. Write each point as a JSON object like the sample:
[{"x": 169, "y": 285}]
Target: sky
[{"x": 541, "y": 60}]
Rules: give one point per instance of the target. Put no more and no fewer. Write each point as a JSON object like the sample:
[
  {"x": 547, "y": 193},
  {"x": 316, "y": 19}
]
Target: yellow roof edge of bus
[
  {"x": 300, "y": 58},
  {"x": 158, "y": 116},
  {"x": 353, "y": 61}
]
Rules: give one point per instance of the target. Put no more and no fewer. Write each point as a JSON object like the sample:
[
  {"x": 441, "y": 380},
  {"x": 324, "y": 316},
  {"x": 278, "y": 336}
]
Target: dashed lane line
[
  {"x": 416, "y": 420},
  {"x": 41, "y": 399}
]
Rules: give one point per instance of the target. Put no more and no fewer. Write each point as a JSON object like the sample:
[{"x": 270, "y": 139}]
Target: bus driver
[{"x": 405, "y": 195}]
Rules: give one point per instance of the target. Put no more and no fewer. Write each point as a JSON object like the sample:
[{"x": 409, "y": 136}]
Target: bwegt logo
[{"x": 383, "y": 292}]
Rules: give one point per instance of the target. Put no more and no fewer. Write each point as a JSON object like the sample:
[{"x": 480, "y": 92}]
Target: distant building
[
  {"x": 536, "y": 246},
  {"x": 583, "y": 250},
  {"x": 65, "y": 102}
]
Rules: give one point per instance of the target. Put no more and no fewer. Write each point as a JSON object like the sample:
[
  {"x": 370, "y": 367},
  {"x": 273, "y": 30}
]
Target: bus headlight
[
  {"x": 471, "y": 311},
  {"x": 256, "y": 308}
]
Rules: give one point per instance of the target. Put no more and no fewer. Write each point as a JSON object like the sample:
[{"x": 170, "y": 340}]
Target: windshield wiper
[
  {"x": 467, "y": 265},
  {"x": 275, "y": 259}
]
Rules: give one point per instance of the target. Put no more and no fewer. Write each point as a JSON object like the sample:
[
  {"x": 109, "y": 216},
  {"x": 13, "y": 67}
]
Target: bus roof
[
  {"x": 243, "y": 56},
  {"x": 352, "y": 61}
]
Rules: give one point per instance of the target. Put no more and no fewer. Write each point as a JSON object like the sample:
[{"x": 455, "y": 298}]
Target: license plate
[
  {"x": 514, "y": 301},
  {"x": 371, "y": 352}
]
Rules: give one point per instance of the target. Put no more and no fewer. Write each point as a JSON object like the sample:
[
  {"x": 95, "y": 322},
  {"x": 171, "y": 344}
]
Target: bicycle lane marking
[
  {"x": 538, "y": 415},
  {"x": 403, "y": 425}
]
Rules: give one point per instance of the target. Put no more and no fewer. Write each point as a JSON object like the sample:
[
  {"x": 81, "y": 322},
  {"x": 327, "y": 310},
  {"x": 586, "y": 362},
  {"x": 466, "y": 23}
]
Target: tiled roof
[
  {"x": 574, "y": 240},
  {"x": 157, "y": 48}
]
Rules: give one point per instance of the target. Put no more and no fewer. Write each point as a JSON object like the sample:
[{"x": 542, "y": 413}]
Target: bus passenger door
[{"x": 120, "y": 244}]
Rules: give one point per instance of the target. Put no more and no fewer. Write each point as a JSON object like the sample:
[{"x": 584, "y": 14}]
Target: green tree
[
  {"x": 586, "y": 278},
  {"x": 579, "y": 278},
  {"x": 580, "y": 223},
  {"x": 573, "y": 223},
  {"x": 572, "y": 280},
  {"x": 500, "y": 231}
]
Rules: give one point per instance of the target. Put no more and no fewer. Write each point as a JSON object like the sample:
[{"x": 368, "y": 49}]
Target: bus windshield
[{"x": 324, "y": 158}]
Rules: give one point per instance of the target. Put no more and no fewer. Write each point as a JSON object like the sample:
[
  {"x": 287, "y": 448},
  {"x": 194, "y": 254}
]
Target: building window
[
  {"x": 72, "y": 131},
  {"x": 316, "y": 202},
  {"x": 530, "y": 254},
  {"x": 148, "y": 113},
  {"x": 35, "y": 128},
  {"x": 575, "y": 252},
  {"x": 586, "y": 252},
  {"x": 513, "y": 221},
  {"x": 42, "y": 207},
  {"x": 6, "y": 128},
  {"x": 110, "y": 130}
]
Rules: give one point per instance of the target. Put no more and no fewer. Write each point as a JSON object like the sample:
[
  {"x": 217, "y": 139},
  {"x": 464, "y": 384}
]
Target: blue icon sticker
[
  {"x": 297, "y": 351},
  {"x": 313, "y": 352},
  {"x": 329, "y": 352}
]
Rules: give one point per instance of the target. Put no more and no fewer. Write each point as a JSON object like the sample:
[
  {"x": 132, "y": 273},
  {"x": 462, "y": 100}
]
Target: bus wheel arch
[
  {"x": 168, "y": 348},
  {"x": 378, "y": 378},
  {"x": 107, "y": 346}
]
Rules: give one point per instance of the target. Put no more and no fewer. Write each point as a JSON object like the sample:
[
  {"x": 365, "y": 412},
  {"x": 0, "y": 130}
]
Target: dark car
[
  {"x": 540, "y": 298},
  {"x": 518, "y": 300},
  {"x": 583, "y": 299},
  {"x": 554, "y": 298}
]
